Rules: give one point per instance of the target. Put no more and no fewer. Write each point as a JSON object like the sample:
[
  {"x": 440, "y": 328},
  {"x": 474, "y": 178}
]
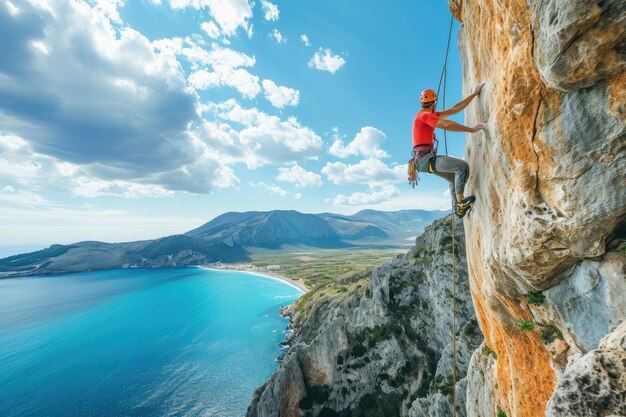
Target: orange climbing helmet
[{"x": 428, "y": 96}]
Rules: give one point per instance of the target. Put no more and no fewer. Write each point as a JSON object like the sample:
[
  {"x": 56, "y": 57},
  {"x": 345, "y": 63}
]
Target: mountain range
[{"x": 229, "y": 238}]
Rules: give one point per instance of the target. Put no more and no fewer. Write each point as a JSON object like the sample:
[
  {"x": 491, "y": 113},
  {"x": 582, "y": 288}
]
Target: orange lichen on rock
[{"x": 524, "y": 376}]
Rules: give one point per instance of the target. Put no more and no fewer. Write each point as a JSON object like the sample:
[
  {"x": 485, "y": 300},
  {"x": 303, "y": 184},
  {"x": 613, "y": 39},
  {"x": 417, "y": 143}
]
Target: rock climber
[{"x": 456, "y": 171}]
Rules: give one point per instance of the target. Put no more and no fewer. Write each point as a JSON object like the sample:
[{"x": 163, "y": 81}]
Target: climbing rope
[{"x": 443, "y": 77}]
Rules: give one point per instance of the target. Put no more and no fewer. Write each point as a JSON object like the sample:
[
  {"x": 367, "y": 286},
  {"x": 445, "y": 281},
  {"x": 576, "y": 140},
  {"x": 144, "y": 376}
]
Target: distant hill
[
  {"x": 170, "y": 251},
  {"x": 227, "y": 238},
  {"x": 272, "y": 229}
]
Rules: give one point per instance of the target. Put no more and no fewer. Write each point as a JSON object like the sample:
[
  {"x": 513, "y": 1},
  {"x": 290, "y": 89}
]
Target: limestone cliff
[
  {"x": 547, "y": 278},
  {"x": 378, "y": 344}
]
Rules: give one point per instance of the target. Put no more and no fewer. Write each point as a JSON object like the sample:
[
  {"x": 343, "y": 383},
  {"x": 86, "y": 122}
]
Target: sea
[{"x": 138, "y": 342}]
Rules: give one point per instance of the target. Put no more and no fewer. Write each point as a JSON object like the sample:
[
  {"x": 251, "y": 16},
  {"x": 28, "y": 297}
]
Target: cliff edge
[{"x": 379, "y": 343}]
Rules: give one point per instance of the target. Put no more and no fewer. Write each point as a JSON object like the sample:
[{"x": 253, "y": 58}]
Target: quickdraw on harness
[{"x": 422, "y": 159}]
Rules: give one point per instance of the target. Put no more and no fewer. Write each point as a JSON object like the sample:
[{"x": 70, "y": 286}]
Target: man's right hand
[
  {"x": 478, "y": 89},
  {"x": 478, "y": 127}
]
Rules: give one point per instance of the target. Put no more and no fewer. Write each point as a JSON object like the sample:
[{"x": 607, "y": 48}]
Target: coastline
[{"x": 234, "y": 268}]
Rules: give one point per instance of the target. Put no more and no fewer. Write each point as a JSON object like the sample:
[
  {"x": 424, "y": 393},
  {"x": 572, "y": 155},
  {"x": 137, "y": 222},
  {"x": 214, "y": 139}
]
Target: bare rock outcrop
[
  {"x": 594, "y": 384},
  {"x": 547, "y": 276},
  {"x": 379, "y": 344}
]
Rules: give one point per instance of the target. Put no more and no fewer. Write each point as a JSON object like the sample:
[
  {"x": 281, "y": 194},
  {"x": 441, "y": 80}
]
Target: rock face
[
  {"x": 595, "y": 383},
  {"x": 380, "y": 344},
  {"x": 551, "y": 209}
]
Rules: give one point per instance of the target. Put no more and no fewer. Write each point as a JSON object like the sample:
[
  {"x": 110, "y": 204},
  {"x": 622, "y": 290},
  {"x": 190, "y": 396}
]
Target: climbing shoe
[{"x": 462, "y": 208}]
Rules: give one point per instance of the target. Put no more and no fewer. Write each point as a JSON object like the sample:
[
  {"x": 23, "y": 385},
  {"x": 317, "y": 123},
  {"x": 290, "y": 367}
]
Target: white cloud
[
  {"x": 262, "y": 139},
  {"x": 372, "y": 197},
  {"x": 229, "y": 14},
  {"x": 297, "y": 175},
  {"x": 305, "y": 40},
  {"x": 119, "y": 112},
  {"x": 372, "y": 172},
  {"x": 19, "y": 164},
  {"x": 324, "y": 60},
  {"x": 270, "y": 11},
  {"x": 13, "y": 10},
  {"x": 240, "y": 79},
  {"x": 297, "y": 196},
  {"x": 226, "y": 65},
  {"x": 273, "y": 189},
  {"x": 280, "y": 96},
  {"x": 216, "y": 57},
  {"x": 109, "y": 9},
  {"x": 277, "y": 36},
  {"x": 90, "y": 187},
  {"x": 366, "y": 143},
  {"x": 211, "y": 29}
]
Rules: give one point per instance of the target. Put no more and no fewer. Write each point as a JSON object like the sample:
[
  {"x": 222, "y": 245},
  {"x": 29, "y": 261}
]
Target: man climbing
[{"x": 456, "y": 171}]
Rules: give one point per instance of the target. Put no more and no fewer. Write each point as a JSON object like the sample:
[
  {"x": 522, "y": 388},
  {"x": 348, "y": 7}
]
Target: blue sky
[{"x": 126, "y": 120}]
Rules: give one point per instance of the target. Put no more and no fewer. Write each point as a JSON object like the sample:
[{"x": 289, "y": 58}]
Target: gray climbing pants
[{"x": 455, "y": 171}]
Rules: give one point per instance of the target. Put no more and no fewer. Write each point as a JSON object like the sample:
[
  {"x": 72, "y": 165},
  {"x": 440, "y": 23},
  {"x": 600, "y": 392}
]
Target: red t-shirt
[{"x": 424, "y": 127}]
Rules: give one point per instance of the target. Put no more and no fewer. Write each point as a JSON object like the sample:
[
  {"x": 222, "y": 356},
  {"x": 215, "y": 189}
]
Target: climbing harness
[{"x": 422, "y": 159}]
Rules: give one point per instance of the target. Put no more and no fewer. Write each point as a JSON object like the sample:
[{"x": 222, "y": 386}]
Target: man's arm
[
  {"x": 455, "y": 127},
  {"x": 461, "y": 104}
]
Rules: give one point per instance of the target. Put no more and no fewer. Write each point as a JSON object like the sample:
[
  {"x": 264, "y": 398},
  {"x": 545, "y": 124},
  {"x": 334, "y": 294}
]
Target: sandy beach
[{"x": 236, "y": 268}]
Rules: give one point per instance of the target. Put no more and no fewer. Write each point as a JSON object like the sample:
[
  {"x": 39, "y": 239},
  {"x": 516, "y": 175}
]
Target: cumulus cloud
[
  {"x": 122, "y": 118},
  {"x": 216, "y": 57},
  {"x": 229, "y": 14},
  {"x": 366, "y": 143},
  {"x": 93, "y": 187},
  {"x": 280, "y": 96},
  {"x": 21, "y": 165},
  {"x": 240, "y": 79},
  {"x": 257, "y": 138},
  {"x": 273, "y": 189},
  {"x": 109, "y": 9},
  {"x": 297, "y": 175},
  {"x": 277, "y": 36},
  {"x": 270, "y": 11},
  {"x": 305, "y": 40},
  {"x": 226, "y": 65},
  {"x": 114, "y": 99},
  {"x": 324, "y": 60},
  {"x": 372, "y": 197},
  {"x": 371, "y": 171},
  {"x": 211, "y": 29},
  {"x": 117, "y": 115}
]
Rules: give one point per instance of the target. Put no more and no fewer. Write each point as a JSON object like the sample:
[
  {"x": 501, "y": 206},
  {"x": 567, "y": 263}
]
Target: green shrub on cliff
[
  {"x": 488, "y": 351},
  {"x": 535, "y": 298},
  {"x": 549, "y": 333},
  {"x": 384, "y": 332},
  {"x": 525, "y": 325}
]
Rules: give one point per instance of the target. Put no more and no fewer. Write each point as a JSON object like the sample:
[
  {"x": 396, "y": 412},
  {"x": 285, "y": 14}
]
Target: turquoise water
[{"x": 169, "y": 342}]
